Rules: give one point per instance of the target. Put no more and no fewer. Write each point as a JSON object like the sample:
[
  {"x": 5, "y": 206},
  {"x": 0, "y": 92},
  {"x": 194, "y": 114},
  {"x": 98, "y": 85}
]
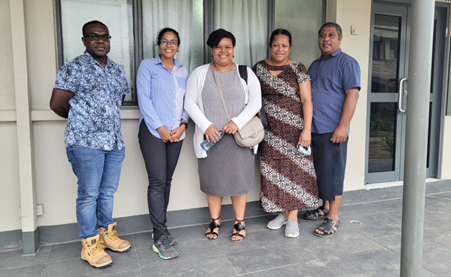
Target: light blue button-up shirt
[{"x": 161, "y": 94}]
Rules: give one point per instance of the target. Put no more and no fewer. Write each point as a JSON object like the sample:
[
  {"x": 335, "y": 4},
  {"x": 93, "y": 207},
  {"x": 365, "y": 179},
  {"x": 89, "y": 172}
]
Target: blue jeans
[{"x": 98, "y": 175}]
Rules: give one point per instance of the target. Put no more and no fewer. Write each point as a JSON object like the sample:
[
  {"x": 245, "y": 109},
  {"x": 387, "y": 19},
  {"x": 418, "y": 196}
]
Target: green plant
[{"x": 388, "y": 143}]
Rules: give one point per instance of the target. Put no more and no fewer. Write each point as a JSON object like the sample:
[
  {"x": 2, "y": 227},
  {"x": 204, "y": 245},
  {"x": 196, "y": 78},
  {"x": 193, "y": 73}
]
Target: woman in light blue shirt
[{"x": 161, "y": 84}]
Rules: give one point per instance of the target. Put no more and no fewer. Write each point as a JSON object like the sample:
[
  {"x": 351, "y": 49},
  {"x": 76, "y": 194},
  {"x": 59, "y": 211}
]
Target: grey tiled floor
[{"x": 368, "y": 249}]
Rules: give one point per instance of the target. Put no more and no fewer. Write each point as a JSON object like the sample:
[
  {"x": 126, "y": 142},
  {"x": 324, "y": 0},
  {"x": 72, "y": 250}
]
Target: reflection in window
[
  {"x": 116, "y": 15},
  {"x": 303, "y": 19},
  {"x": 186, "y": 17},
  {"x": 385, "y": 53},
  {"x": 381, "y": 156},
  {"x": 248, "y": 22}
]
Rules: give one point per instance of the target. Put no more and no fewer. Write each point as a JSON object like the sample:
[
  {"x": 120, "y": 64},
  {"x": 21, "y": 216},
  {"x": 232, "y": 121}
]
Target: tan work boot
[
  {"x": 111, "y": 240},
  {"x": 94, "y": 253}
]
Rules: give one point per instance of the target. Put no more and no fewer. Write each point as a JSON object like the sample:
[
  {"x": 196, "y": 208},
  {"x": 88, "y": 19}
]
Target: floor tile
[
  {"x": 122, "y": 262},
  {"x": 188, "y": 250},
  {"x": 29, "y": 271},
  {"x": 14, "y": 258},
  {"x": 377, "y": 262},
  {"x": 253, "y": 240},
  {"x": 307, "y": 269},
  {"x": 212, "y": 266},
  {"x": 269, "y": 257}
]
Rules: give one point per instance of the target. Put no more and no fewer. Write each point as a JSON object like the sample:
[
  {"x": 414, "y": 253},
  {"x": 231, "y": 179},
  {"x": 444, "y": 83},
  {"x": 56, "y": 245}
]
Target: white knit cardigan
[{"x": 194, "y": 106}]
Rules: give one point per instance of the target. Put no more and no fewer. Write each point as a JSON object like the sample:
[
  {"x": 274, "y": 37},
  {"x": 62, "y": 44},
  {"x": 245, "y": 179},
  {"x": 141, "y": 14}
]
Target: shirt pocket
[{"x": 181, "y": 82}]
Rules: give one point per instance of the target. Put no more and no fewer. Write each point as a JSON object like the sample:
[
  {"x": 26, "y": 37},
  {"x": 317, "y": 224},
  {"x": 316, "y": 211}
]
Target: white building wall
[
  {"x": 54, "y": 180},
  {"x": 9, "y": 165}
]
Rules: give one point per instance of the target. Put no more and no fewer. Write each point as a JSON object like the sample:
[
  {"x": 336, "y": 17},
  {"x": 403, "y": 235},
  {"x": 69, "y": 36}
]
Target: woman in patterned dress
[{"x": 288, "y": 178}]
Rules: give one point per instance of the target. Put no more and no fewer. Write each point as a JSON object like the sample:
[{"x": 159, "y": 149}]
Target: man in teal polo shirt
[{"x": 335, "y": 91}]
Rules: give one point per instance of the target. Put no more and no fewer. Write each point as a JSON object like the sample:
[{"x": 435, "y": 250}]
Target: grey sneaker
[
  {"x": 277, "y": 222},
  {"x": 172, "y": 240},
  {"x": 292, "y": 229},
  {"x": 164, "y": 248}
]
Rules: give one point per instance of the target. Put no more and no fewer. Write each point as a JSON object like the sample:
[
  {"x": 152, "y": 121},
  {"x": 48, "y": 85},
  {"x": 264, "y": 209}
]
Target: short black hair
[
  {"x": 279, "y": 32},
  {"x": 164, "y": 31},
  {"x": 89, "y": 23},
  {"x": 331, "y": 24},
  {"x": 215, "y": 37}
]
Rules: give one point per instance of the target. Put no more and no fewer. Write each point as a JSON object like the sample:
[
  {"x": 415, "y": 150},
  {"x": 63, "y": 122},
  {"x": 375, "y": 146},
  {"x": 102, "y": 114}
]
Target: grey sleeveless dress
[{"x": 228, "y": 169}]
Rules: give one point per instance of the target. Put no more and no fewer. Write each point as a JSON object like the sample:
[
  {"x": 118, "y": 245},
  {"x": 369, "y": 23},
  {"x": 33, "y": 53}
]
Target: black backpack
[{"x": 243, "y": 74}]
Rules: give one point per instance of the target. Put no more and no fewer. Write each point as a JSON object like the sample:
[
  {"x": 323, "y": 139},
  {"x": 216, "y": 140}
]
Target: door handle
[{"x": 400, "y": 95}]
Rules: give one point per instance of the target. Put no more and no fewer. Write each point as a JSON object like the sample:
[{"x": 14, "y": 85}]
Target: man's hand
[
  {"x": 340, "y": 134},
  {"x": 165, "y": 134},
  {"x": 59, "y": 102}
]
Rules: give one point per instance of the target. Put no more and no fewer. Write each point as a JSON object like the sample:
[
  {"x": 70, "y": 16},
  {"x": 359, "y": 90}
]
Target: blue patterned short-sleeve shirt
[{"x": 94, "y": 119}]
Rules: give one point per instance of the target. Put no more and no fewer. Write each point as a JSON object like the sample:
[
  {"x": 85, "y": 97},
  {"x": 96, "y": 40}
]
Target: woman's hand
[
  {"x": 305, "y": 138},
  {"x": 177, "y": 133},
  {"x": 165, "y": 134},
  {"x": 230, "y": 128},
  {"x": 212, "y": 133}
]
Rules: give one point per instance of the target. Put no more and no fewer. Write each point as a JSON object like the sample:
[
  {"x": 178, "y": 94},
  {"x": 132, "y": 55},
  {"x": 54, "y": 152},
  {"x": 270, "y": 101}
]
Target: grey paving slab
[
  {"x": 132, "y": 273},
  {"x": 269, "y": 257},
  {"x": 188, "y": 233},
  {"x": 144, "y": 240},
  {"x": 308, "y": 269},
  {"x": 253, "y": 240},
  {"x": 211, "y": 266},
  {"x": 29, "y": 271},
  {"x": 437, "y": 255},
  {"x": 188, "y": 250},
  {"x": 376, "y": 262},
  {"x": 368, "y": 249},
  {"x": 122, "y": 262},
  {"x": 14, "y": 259},
  {"x": 65, "y": 251},
  {"x": 341, "y": 243}
]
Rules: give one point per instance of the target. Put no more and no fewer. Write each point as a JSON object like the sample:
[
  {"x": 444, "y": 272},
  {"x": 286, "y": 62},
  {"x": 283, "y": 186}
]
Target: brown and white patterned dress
[{"x": 288, "y": 178}]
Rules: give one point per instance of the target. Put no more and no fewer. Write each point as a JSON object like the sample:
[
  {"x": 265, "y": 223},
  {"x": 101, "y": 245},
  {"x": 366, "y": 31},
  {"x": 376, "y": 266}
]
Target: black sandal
[
  {"x": 213, "y": 225},
  {"x": 316, "y": 214},
  {"x": 238, "y": 228},
  {"x": 328, "y": 228}
]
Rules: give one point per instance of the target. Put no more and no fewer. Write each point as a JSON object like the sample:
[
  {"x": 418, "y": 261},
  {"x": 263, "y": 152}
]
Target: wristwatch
[{"x": 186, "y": 125}]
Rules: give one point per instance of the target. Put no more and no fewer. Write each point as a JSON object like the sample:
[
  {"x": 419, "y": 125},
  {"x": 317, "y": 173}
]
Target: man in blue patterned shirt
[{"x": 89, "y": 91}]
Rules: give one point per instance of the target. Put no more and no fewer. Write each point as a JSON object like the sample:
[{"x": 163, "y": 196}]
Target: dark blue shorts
[{"x": 330, "y": 163}]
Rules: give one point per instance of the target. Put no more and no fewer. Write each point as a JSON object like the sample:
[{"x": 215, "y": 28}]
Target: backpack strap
[{"x": 243, "y": 72}]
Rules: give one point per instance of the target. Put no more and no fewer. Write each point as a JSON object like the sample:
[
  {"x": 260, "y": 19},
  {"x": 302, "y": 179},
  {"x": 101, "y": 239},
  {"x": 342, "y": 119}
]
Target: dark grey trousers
[{"x": 160, "y": 159}]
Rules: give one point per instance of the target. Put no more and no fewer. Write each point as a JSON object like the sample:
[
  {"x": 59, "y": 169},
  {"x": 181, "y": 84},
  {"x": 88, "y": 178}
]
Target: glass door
[
  {"x": 387, "y": 93},
  {"x": 389, "y": 89}
]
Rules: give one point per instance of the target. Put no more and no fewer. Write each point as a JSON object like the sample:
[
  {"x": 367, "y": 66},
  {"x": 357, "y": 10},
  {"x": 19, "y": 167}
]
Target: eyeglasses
[
  {"x": 166, "y": 42},
  {"x": 304, "y": 151},
  {"x": 96, "y": 37}
]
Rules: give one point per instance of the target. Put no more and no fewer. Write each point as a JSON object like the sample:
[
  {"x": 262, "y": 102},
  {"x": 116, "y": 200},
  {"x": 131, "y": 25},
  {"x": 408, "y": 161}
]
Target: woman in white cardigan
[{"x": 227, "y": 169}]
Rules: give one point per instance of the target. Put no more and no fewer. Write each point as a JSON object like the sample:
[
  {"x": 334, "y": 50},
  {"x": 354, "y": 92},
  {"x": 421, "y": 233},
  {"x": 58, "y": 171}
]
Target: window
[
  {"x": 116, "y": 14},
  {"x": 134, "y": 25},
  {"x": 186, "y": 17}
]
